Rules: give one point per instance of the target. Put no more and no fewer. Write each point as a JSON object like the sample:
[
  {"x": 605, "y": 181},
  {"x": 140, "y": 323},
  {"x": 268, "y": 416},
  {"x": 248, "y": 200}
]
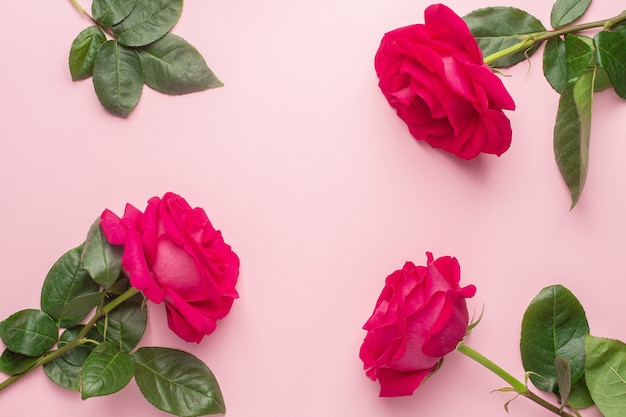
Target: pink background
[{"x": 318, "y": 187}]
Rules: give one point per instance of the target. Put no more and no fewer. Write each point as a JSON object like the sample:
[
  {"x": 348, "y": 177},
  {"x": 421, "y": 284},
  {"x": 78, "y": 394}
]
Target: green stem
[
  {"x": 79, "y": 339},
  {"x": 535, "y": 38},
  {"x": 518, "y": 386}
]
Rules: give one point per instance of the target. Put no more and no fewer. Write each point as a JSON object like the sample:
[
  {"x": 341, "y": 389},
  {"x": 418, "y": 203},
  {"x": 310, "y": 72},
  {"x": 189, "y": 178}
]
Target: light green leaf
[
  {"x": 565, "y": 12},
  {"x": 555, "y": 63},
  {"x": 172, "y": 65},
  {"x": 15, "y": 363},
  {"x": 29, "y": 332},
  {"x": 605, "y": 371},
  {"x": 83, "y": 52},
  {"x": 117, "y": 78},
  {"x": 554, "y": 325},
  {"x": 611, "y": 55},
  {"x": 177, "y": 382},
  {"x": 572, "y": 131},
  {"x": 126, "y": 324},
  {"x": 111, "y": 12},
  {"x": 105, "y": 371},
  {"x": 149, "y": 21},
  {"x": 496, "y": 28},
  {"x": 102, "y": 260},
  {"x": 66, "y": 281}
]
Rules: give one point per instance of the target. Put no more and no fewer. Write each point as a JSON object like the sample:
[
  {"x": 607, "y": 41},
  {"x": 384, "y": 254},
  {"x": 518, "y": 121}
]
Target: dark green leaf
[
  {"x": 77, "y": 355},
  {"x": 117, "y": 78},
  {"x": 565, "y": 12},
  {"x": 15, "y": 363},
  {"x": 63, "y": 373},
  {"x": 126, "y": 324},
  {"x": 102, "y": 260},
  {"x": 580, "y": 397},
  {"x": 83, "y": 52},
  {"x": 611, "y": 55},
  {"x": 572, "y": 131},
  {"x": 105, "y": 371},
  {"x": 29, "y": 332},
  {"x": 563, "y": 378},
  {"x": 121, "y": 285},
  {"x": 620, "y": 27},
  {"x": 579, "y": 52},
  {"x": 111, "y": 12},
  {"x": 66, "y": 280},
  {"x": 171, "y": 65},
  {"x": 555, "y": 63},
  {"x": 177, "y": 382},
  {"x": 554, "y": 325},
  {"x": 79, "y": 307},
  {"x": 496, "y": 28},
  {"x": 605, "y": 371},
  {"x": 149, "y": 21}
]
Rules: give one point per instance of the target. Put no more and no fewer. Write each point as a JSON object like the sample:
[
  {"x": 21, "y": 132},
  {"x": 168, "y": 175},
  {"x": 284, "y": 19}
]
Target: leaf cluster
[
  {"x": 561, "y": 356},
  {"x": 130, "y": 45},
  {"x": 101, "y": 357},
  {"x": 575, "y": 65}
]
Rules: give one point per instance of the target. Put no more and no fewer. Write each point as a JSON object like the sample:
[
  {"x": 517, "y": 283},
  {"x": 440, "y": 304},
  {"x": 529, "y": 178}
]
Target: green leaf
[
  {"x": 15, "y": 363},
  {"x": 105, "y": 371},
  {"x": 605, "y": 371},
  {"x": 171, "y": 65},
  {"x": 66, "y": 281},
  {"x": 117, "y": 78},
  {"x": 565, "y": 12},
  {"x": 29, "y": 332},
  {"x": 563, "y": 378},
  {"x": 83, "y": 52},
  {"x": 126, "y": 324},
  {"x": 554, "y": 325},
  {"x": 177, "y": 382},
  {"x": 78, "y": 308},
  {"x": 497, "y": 28},
  {"x": 65, "y": 369},
  {"x": 149, "y": 21},
  {"x": 63, "y": 373},
  {"x": 580, "y": 397},
  {"x": 572, "y": 131},
  {"x": 579, "y": 55},
  {"x": 602, "y": 80},
  {"x": 102, "y": 260},
  {"x": 611, "y": 55},
  {"x": 77, "y": 355},
  {"x": 555, "y": 63},
  {"x": 111, "y": 12}
]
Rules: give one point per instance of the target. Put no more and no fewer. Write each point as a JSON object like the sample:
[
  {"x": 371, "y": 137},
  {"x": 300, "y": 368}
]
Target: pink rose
[
  {"x": 434, "y": 75},
  {"x": 173, "y": 254},
  {"x": 420, "y": 316}
]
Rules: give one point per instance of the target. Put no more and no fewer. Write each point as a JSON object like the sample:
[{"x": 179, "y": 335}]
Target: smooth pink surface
[{"x": 321, "y": 191}]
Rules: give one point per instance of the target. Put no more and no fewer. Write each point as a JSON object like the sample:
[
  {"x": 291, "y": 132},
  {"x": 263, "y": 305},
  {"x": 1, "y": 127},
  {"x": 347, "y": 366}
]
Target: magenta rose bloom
[
  {"x": 420, "y": 316},
  {"x": 434, "y": 75},
  {"x": 173, "y": 254}
]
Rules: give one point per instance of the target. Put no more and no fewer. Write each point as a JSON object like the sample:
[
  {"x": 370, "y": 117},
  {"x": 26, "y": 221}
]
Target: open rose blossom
[
  {"x": 420, "y": 316},
  {"x": 173, "y": 254},
  {"x": 434, "y": 75}
]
